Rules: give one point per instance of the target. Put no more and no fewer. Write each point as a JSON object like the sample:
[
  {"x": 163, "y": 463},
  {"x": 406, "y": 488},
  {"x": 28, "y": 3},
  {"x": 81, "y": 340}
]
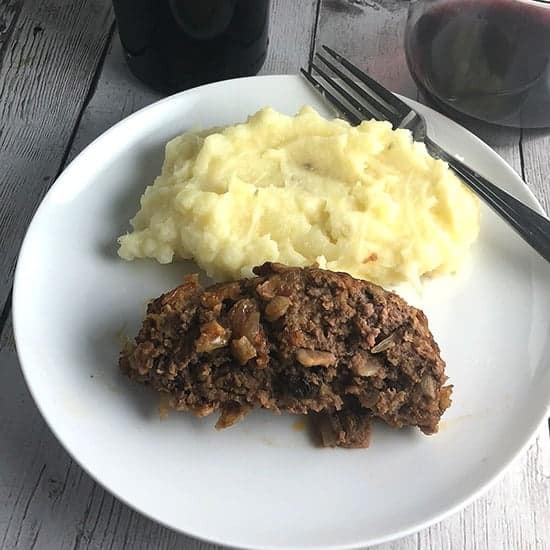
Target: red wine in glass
[{"x": 488, "y": 59}]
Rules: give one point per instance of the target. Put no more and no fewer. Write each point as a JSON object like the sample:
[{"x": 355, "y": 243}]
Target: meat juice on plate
[{"x": 489, "y": 59}]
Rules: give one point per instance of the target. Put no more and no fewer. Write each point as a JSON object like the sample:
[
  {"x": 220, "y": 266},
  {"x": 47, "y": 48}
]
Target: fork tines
[{"x": 355, "y": 94}]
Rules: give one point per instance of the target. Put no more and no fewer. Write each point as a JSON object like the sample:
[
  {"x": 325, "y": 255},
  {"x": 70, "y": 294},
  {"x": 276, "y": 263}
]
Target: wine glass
[{"x": 487, "y": 59}]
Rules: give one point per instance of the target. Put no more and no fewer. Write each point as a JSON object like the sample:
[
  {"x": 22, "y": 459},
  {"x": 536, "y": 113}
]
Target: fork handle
[{"x": 530, "y": 225}]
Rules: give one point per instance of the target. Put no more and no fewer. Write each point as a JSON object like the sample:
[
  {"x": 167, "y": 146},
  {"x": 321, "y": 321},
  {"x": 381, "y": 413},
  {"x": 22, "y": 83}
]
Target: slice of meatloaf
[{"x": 300, "y": 340}]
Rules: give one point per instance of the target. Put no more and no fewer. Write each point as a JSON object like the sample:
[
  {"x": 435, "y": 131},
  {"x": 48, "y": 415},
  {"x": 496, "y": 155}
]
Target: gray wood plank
[
  {"x": 43, "y": 87},
  {"x": 371, "y": 33},
  {"x": 292, "y": 29},
  {"x": 9, "y": 12},
  {"x": 536, "y": 163}
]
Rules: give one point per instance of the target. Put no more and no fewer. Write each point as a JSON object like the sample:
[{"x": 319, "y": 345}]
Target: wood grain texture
[
  {"x": 46, "y": 500},
  {"x": 48, "y": 61},
  {"x": 371, "y": 33},
  {"x": 536, "y": 163},
  {"x": 9, "y": 12}
]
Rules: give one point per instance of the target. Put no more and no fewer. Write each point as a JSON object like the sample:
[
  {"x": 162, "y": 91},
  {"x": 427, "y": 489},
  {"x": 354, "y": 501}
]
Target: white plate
[{"x": 262, "y": 484}]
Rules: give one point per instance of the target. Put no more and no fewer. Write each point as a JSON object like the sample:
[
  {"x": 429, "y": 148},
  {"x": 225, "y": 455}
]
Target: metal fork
[{"x": 359, "y": 97}]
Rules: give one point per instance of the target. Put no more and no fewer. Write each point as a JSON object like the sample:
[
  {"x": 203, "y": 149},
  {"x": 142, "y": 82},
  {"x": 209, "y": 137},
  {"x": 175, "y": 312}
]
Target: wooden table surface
[{"x": 63, "y": 81}]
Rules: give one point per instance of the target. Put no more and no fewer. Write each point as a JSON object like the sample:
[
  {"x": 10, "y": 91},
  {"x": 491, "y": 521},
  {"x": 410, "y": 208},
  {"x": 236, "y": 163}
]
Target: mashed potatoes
[{"x": 297, "y": 190}]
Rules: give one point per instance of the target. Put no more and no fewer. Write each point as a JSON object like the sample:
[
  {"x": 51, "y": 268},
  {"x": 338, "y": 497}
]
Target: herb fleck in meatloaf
[{"x": 300, "y": 340}]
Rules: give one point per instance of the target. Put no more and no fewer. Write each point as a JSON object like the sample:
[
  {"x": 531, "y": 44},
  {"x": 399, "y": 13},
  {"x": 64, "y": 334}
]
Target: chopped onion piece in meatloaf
[{"x": 299, "y": 340}]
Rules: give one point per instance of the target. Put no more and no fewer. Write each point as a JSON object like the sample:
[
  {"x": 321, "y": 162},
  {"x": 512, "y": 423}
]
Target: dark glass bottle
[
  {"x": 488, "y": 59},
  {"x": 172, "y": 45}
]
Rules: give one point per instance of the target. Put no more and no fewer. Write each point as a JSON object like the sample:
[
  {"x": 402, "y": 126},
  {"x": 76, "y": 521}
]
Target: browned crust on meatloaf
[{"x": 300, "y": 340}]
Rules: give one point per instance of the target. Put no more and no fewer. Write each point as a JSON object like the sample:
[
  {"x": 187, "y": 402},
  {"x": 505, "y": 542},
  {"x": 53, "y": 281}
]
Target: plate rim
[{"x": 26, "y": 370}]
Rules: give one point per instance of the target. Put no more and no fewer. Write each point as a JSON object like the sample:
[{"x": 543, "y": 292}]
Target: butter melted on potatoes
[{"x": 302, "y": 189}]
